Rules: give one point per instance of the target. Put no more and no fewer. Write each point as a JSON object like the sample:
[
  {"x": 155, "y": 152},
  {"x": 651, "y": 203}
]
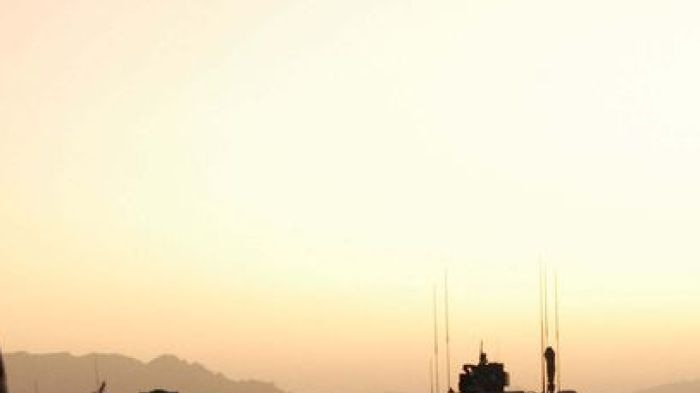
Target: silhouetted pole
[
  {"x": 447, "y": 333},
  {"x": 435, "y": 340},
  {"x": 542, "y": 335},
  {"x": 546, "y": 308},
  {"x": 556, "y": 327},
  {"x": 432, "y": 377}
]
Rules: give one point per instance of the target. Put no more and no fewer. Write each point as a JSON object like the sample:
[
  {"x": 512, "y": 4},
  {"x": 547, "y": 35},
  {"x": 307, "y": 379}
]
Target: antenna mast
[
  {"x": 447, "y": 333},
  {"x": 556, "y": 327},
  {"x": 546, "y": 308},
  {"x": 542, "y": 335},
  {"x": 435, "y": 340},
  {"x": 432, "y": 377}
]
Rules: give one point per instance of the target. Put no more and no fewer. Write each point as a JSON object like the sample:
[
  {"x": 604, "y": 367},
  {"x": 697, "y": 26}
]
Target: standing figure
[{"x": 549, "y": 357}]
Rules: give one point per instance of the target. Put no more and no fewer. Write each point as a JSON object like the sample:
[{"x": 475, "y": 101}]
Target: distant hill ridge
[
  {"x": 66, "y": 373},
  {"x": 679, "y": 387}
]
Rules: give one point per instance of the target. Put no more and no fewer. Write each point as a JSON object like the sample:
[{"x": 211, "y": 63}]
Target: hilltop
[
  {"x": 66, "y": 373},
  {"x": 679, "y": 387}
]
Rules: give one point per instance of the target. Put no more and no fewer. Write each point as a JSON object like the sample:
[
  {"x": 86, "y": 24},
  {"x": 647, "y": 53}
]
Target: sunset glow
[{"x": 272, "y": 188}]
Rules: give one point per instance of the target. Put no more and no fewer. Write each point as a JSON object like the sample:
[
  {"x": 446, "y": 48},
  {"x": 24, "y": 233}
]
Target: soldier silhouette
[{"x": 549, "y": 357}]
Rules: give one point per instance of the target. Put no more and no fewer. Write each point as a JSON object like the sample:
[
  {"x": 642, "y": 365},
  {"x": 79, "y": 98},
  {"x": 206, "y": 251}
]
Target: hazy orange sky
[{"x": 272, "y": 187}]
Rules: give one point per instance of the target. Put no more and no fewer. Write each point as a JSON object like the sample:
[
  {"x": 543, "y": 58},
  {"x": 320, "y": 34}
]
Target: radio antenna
[
  {"x": 447, "y": 333},
  {"x": 435, "y": 340},
  {"x": 546, "y": 307},
  {"x": 556, "y": 327},
  {"x": 432, "y": 377},
  {"x": 542, "y": 316}
]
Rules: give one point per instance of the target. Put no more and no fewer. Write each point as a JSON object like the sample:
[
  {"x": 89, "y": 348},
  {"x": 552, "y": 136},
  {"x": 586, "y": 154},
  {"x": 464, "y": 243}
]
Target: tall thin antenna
[
  {"x": 447, "y": 333},
  {"x": 556, "y": 327},
  {"x": 435, "y": 339},
  {"x": 542, "y": 344},
  {"x": 432, "y": 377},
  {"x": 546, "y": 308}
]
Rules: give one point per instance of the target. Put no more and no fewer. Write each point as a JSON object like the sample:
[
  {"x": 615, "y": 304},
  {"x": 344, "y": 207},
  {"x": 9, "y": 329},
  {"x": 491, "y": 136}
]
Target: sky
[{"x": 273, "y": 188}]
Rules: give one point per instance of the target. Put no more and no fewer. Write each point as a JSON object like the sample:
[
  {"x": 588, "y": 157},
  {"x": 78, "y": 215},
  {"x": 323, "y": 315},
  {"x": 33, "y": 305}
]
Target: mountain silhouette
[
  {"x": 678, "y": 387},
  {"x": 65, "y": 373}
]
